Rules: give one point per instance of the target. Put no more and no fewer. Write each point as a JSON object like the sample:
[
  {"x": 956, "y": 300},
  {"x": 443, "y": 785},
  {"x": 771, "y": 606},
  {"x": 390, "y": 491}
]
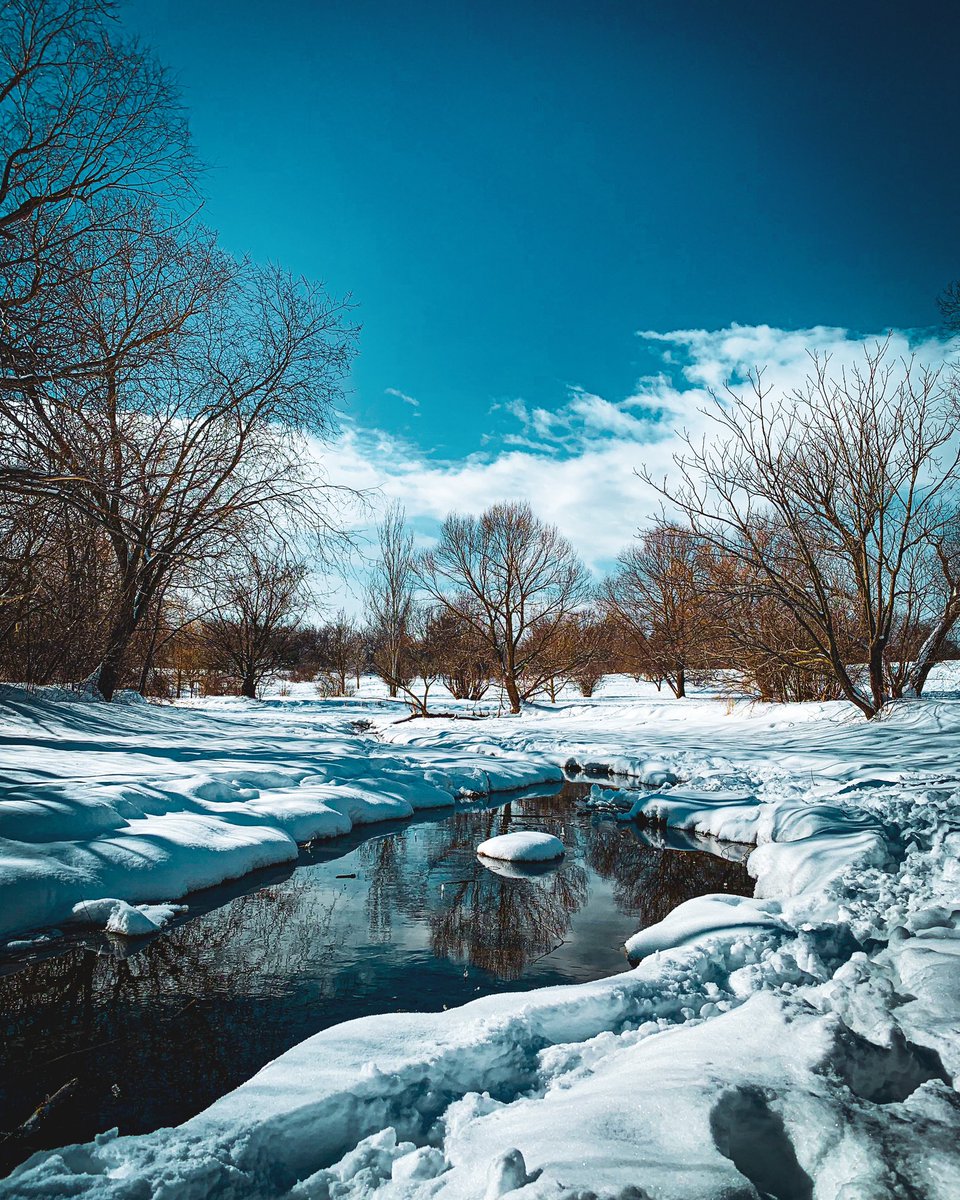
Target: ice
[{"x": 522, "y": 847}]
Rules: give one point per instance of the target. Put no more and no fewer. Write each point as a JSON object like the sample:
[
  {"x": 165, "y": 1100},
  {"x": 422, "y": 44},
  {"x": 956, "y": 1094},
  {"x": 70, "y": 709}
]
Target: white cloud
[
  {"x": 577, "y": 464},
  {"x": 411, "y": 400}
]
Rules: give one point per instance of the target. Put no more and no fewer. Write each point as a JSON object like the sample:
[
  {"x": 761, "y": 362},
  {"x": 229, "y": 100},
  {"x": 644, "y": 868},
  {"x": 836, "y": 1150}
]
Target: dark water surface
[{"x": 394, "y": 917}]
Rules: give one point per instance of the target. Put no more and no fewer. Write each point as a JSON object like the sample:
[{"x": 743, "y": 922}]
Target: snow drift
[{"x": 147, "y": 803}]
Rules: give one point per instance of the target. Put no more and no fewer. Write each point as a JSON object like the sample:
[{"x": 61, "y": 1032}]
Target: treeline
[
  {"x": 156, "y": 394},
  {"x": 809, "y": 551}
]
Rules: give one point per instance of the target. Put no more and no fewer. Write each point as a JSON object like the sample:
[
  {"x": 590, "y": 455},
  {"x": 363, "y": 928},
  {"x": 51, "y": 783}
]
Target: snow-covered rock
[
  {"x": 525, "y": 846},
  {"x": 127, "y": 920}
]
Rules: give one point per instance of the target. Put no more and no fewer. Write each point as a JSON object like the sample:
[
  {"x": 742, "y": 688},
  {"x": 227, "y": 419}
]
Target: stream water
[{"x": 390, "y": 918}]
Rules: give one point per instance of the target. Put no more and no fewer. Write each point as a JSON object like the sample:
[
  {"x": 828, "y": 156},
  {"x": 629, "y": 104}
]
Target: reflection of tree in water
[
  {"x": 393, "y": 885},
  {"x": 502, "y": 924},
  {"x": 649, "y": 882},
  {"x": 496, "y": 923},
  {"x": 156, "y": 1033},
  {"x": 476, "y": 916}
]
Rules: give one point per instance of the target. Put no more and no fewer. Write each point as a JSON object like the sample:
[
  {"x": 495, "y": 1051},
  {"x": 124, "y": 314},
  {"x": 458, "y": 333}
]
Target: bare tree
[
  {"x": 657, "y": 596},
  {"x": 421, "y": 663},
  {"x": 342, "y": 645},
  {"x": 90, "y": 128},
  {"x": 155, "y": 387},
  {"x": 513, "y": 578},
  {"x": 390, "y": 599},
  {"x": 575, "y": 652},
  {"x": 755, "y": 642},
  {"x": 183, "y": 654},
  {"x": 258, "y": 605},
  {"x": 190, "y": 434},
  {"x": 463, "y": 655},
  {"x": 57, "y": 591},
  {"x": 949, "y": 304},
  {"x": 838, "y": 495},
  {"x": 589, "y": 660}
]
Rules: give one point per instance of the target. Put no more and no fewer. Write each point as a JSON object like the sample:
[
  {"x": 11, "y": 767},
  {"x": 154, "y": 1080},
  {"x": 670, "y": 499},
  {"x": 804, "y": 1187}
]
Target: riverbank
[
  {"x": 802, "y": 1042},
  {"x": 146, "y": 803}
]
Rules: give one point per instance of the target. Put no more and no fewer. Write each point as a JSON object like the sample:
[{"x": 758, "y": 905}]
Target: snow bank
[
  {"x": 523, "y": 847},
  {"x": 148, "y": 803}
]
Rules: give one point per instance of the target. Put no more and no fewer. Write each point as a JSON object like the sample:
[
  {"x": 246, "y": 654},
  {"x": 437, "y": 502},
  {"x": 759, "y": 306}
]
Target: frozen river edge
[{"x": 802, "y": 1043}]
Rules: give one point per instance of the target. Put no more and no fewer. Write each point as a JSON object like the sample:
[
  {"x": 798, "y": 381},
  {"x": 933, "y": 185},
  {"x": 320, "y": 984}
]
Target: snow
[
  {"x": 148, "y": 803},
  {"x": 127, "y": 920},
  {"x": 695, "y": 919},
  {"x": 804, "y": 1042},
  {"x": 525, "y": 847}
]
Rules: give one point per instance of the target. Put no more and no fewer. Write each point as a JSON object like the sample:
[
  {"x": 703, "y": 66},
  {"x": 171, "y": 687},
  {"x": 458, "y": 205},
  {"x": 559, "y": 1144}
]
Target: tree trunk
[
  {"x": 108, "y": 674},
  {"x": 929, "y": 653},
  {"x": 513, "y": 694},
  {"x": 151, "y": 650},
  {"x": 877, "y": 682},
  {"x": 248, "y": 687},
  {"x": 136, "y": 594}
]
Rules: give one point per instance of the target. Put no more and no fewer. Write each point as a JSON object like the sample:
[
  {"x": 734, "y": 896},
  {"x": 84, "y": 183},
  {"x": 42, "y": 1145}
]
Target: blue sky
[{"x": 511, "y": 191}]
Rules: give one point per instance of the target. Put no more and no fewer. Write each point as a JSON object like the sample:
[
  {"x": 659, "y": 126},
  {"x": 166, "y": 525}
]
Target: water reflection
[
  {"x": 648, "y": 883},
  {"x": 391, "y": 919},
  {"x": 116, "y": 1028},
  {"x": 503, "y": 924},
  {"x": 500, "y": 923}
]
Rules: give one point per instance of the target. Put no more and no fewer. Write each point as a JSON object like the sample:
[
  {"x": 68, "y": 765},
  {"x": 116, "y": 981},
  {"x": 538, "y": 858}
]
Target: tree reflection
[
  {"x": 502, "y": 925},
  {"x": 155, "y": 1034},
  {"x": 475, "y": 916},
  {"x": 385, "y": 860},
  {"x": 648, "y": 881}
]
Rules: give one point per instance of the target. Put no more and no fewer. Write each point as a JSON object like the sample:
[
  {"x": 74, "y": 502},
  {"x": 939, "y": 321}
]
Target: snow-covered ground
[{"x": 802, "y": 1043}]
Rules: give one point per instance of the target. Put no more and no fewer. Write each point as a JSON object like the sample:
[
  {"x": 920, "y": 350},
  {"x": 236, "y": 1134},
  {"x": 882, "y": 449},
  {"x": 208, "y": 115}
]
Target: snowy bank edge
[{"x": 157, "y": 840}]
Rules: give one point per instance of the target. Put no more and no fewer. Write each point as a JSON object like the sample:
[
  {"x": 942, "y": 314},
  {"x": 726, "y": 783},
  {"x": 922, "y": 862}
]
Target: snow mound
[
  {"x": 522, "y": 847},
  {"x": 700, "y": 917},
  {"x": 127, "y": 920}
]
